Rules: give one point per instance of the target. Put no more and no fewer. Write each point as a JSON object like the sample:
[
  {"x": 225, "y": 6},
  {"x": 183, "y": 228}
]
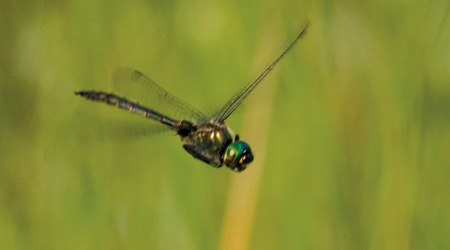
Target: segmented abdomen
[{"x": 123, "y": 103}]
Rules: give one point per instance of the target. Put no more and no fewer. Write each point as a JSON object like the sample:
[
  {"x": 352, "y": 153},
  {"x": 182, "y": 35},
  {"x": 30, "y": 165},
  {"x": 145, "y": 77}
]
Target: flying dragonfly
[{"x": 208, "y": 139}]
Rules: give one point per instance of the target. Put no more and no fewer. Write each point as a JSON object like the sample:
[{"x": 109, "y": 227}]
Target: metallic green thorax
[
  {"x": 208, "y": 142},
  {"x": 213, "y": 143}
]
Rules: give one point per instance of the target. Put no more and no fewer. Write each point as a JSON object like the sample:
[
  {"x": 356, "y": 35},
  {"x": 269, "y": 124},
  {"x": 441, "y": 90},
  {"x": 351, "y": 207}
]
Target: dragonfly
[{"x": 207, "y": 139}]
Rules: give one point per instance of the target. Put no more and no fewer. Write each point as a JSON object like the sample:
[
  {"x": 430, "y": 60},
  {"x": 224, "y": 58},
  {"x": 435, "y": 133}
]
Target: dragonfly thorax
[
  {"x": 213, "y": 143},
  {"x": 211, "y": 138}
]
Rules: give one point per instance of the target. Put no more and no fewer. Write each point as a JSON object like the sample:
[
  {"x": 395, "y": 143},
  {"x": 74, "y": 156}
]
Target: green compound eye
[
  {"x": 231, "y": 153},
  {"x": 237, "y": 156}
]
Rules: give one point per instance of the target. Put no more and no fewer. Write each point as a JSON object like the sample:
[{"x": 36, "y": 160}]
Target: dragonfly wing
[
  {"x": 134, "y": 85},
  {"x": 118, "y": 130},
  {"x": 240, "y": 96}
]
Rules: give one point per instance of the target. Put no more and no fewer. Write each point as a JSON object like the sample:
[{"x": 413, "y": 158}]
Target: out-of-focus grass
[{"x": 352, "y": 151}]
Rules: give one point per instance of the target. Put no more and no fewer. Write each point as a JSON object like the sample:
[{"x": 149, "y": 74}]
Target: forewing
[
  {"x": 240, "y": 96},
  {"x": 135, "y": 86}
]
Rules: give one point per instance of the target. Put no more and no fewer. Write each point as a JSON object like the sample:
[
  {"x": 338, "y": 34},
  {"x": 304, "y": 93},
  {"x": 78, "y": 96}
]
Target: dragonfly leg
[{"x": 198, "y": 155}]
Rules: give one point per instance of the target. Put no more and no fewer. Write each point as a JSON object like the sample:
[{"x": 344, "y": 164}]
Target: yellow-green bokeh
[{"x": 353, "y": 147}]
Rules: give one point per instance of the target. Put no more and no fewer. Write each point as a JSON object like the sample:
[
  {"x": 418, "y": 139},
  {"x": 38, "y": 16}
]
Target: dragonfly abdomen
[{"x": 123, "y": 103}]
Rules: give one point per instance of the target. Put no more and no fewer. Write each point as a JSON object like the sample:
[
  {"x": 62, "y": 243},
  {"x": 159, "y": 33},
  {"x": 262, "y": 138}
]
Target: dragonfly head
[{"x": 237, "y": 156}]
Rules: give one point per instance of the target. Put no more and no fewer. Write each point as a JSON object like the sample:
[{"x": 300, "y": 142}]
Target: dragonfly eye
[
  {"x": 246, "y": 158},
  {"x": 231, "y": 153},
  {"x": 237, "y": 156}
]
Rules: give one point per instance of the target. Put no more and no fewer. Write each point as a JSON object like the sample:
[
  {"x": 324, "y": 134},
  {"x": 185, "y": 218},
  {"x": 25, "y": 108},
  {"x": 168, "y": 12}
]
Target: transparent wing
[
  {"x": 117, "y": 130},
  {"x": 117, "y": 126},
  {"x": 135, "y": 86},
  {"x": 239, "y": 97}
]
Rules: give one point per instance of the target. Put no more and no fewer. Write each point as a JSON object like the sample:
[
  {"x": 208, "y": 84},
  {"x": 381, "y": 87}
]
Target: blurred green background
[{"x": 351, "y": 132}]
